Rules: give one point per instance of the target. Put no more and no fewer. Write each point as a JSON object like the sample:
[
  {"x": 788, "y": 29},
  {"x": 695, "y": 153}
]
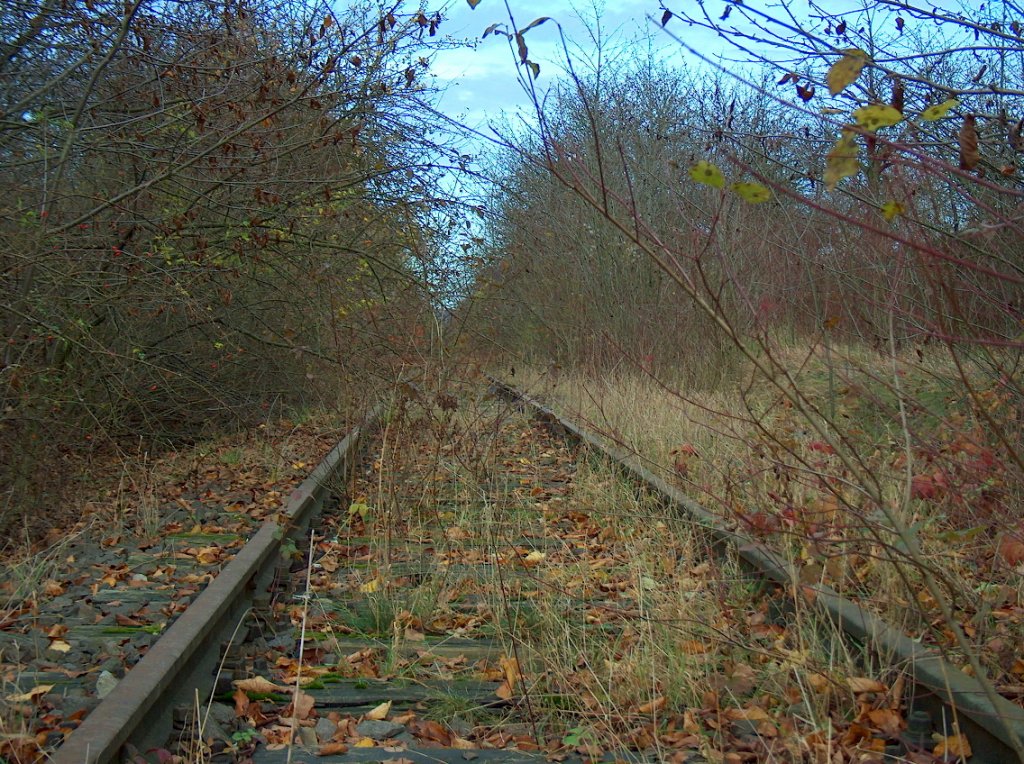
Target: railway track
[{"x": 394, "y": 615}]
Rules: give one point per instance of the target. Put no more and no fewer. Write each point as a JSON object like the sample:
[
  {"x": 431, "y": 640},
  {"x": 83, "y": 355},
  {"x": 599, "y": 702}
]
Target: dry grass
[
  {"x": 906, "y": 428},
  {"x": 626, "y": 627}
]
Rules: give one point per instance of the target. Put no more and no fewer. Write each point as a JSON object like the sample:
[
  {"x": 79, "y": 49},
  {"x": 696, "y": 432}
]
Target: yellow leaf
[
  {"x": 754, "y": 193},
  {"x": 706, "y": 173},
  {"x": 380, "y": 713},
  {"x": 841, "y": 161},
  {"x": 27, "y": 697},
  {"x": 938, "y": 111},
  {"x": 358, "y": 508},
  {"x": 60, "y": 646},
  {"x": 846, "y": 70},
  {"x": 534, "y": 558},
  {"x": 954, "y": 746},
  {"x": 370, "y": 586},
  {"x": 753, "y": 714},
  {"x": 510, "y": 666},
  {"x": 891, "y": 210},
  {"x": 366, "y": 742},
  {"x": 876, "y": 116}
]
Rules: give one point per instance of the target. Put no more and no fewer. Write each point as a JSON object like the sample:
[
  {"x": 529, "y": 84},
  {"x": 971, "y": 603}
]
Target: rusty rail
[
  {"x": 183, "y": 661},
  {"x": 941, "y": 688}
]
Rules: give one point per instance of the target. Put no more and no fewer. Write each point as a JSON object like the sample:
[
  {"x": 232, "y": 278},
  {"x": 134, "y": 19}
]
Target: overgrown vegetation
[
  {"x": 815, "y": 261},
  {"x": 210, "y": 211}
]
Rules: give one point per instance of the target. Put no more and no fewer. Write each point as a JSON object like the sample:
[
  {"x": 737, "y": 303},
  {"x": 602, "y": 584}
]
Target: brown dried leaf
[
  {"x": 655, "y": 705},
  {"x": 258, "y": 684},
  {"x": 897, "y": 101},
  {"x": 865, "y": 684},
  {"x": 241, "y": 703},
  {"x": 327, "y": 749},
  {"x": 968, "y": 141},
  {"x": 302, "y": 705}
]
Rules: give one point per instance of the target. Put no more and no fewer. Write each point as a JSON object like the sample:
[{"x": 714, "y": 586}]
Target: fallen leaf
[
  {"x": 366, "y": 742},
  {"x": 655, "y": 705},
  {"x": 1011, "y": 550},
  {"x": 259, "y": 684},
  {"x": 380, "y": 712},
  {"x": 60, "y": 646},
  {"x": 28, "y": 697},
  {"x": 208, "y": 555},
  {"x": 335, "y": 748},
  {"x": 241, "y": 703},
  {"x": 753, "y": 714},
  {"x": 864, "y": 684},
  {"x": 510, "y": 667},
  {"x": 302, "y": 705},
  {"x": 954, "y": 746},
  {"x": 371, "y": 586},
  {"x": 886, "y": 720}
]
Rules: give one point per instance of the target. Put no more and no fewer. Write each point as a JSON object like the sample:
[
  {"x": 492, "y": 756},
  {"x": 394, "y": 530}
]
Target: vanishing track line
[{"x": 394, "y": 615}]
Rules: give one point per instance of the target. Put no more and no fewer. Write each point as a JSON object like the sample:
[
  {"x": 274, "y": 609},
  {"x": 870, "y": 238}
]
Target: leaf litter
[
  {"x": 146, "y": 539},
  {"x": 502, "y": 590}
]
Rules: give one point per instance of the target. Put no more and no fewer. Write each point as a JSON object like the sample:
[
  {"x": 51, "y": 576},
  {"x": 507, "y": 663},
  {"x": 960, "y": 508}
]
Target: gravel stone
[
  {"x": 308, "y": 737},
  {"x": 379, "y": 730},
  {"x": 112, "y": 666},
  {"x": 223, "y": 713},
  {"x": 87, "y": 613},
  {"x": 105, "y": 683},
  {"x": 212, "y": 730},
  {"x": 325, "y": 729},
  {"x": 63, "y": 602}
]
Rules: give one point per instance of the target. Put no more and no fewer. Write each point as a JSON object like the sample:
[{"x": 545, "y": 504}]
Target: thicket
[
  {"x": 208, "y": 212},
  {"x": 846, "y": 216},
  {"x": 915, "y": 247}
]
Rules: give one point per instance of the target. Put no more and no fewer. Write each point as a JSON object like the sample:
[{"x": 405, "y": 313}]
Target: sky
[{"x": 483, "y": 82}]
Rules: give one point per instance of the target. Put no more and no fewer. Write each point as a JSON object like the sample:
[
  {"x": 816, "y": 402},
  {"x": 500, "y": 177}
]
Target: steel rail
[
  {"x": 947, "y": 694},
  {"x": 182, "y": 663}
]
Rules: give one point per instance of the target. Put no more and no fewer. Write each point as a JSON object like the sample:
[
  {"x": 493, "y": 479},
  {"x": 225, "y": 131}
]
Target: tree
[{"x": 207, "y": 208}]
